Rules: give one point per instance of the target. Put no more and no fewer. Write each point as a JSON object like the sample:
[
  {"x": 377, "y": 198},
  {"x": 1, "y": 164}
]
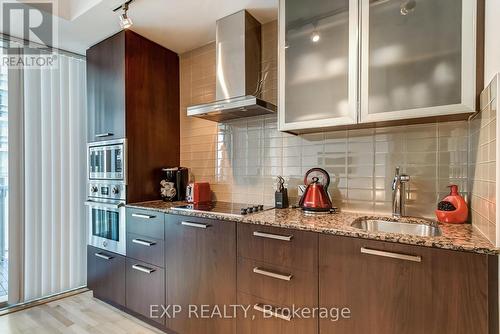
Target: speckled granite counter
[{"x": 454, "y": 237}]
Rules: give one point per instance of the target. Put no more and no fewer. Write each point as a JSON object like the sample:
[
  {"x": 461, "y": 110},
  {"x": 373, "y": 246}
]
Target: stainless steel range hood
[{"x": 238, "y": 71}]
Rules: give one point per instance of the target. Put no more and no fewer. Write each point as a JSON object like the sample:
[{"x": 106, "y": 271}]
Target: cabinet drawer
[
  {"x": 146, "y": 223},
  {"x": 195, "y": 223},
  {"x": 106, "y": 275},
  {"x": 145, "y": 286},
  {"x": 284, "y": 286},
  {"x": 284, "y": 247},
  {"x": 146, "y": 249},
  {"x": 279, "y": 322}
]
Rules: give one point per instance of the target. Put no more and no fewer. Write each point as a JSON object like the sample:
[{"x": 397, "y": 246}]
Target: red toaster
[{"x": 198, "y": 192}]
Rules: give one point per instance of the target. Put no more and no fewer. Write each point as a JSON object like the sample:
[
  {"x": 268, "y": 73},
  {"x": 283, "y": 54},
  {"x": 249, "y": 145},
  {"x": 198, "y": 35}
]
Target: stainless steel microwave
[{"x": 107, "y": 160}]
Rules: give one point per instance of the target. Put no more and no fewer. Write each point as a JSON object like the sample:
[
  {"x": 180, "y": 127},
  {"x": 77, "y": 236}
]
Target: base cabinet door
[
  {"x": 106, "y": 275},
  {"x": 145, "y": 285},
  {"x": 391, "y": 288},
  {"x": 201, "y": 272}
]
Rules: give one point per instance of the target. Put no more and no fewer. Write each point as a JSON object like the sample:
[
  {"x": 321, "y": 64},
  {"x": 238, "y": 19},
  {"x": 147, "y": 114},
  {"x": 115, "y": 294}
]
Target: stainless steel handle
[
  {"x": 143, "y": 242},
  {"x": 102, "y": 256},
  {"x": 105, "y": 134},
  {"x": 273, "y": 236},
  {"x": 272, "y": 312},
  {"x": 197, "y": 225},
  {"x": 406, "y": 257},
  {"x": 138, "y": 215},
  {"x": 143, "y": 269},
  {"x": 104, "y": 205},
  {"x": 284, "y": 277}
]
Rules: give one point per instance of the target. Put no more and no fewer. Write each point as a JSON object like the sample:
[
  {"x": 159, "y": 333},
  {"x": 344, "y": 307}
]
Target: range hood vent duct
[{"x": 238, "y": 72}]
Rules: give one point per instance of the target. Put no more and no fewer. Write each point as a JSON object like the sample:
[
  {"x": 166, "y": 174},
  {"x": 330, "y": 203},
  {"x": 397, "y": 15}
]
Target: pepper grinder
[{"x": 281, "y": 194}]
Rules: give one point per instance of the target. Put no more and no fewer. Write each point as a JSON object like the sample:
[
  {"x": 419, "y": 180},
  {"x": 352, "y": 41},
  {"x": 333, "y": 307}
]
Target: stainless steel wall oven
[{"x": 107, "y": 195}]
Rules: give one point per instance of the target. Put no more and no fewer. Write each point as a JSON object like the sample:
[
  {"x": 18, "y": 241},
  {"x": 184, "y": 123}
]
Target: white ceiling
[{"x": 180, "y": 25}]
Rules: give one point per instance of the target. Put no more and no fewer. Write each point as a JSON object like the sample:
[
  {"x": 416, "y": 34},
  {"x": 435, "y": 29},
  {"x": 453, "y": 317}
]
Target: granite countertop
[{"x": 461, "y": 237}]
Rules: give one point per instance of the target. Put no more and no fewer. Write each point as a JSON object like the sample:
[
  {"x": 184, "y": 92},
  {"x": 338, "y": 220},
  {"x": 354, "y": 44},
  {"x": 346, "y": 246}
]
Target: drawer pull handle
[
  {"x": 143, "y": 242},
  {"x": 143, "y": 269},
  {"x": 102, "y": 135},
  {"x": 197, "y": 225},
  {"x": 406, "y": 257},
  {"x": 271, "y": 311},
  {"x": 273, "y": 236},
  {"x": 283, "y": 277},
  {"x": 102, "y": 256},
  {"x": 138, "y": 215}
]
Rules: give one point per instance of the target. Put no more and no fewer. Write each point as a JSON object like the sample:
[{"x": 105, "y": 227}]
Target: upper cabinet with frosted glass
[
  {"x": 318, "y": 63},
  {"x": 415, "y": 59}
]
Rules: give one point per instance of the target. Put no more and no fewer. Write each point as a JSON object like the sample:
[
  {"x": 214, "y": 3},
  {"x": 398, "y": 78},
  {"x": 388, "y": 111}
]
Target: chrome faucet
[{"x": 398, "y": 193}]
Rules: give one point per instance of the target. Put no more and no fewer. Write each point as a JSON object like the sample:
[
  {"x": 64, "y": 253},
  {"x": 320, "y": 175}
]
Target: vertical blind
[{"x": 54, "y": 179}]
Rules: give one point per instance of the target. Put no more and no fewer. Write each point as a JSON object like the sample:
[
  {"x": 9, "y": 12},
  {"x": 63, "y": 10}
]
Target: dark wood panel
[
  {"x": 138, "y": 249},
  {"x": 300, "y": 252},
  {"x": 301, "y": 290},
  {"x": 493, "y": 320},
  {"x": 133, "y": 92},
  {"x": 459, "y": 293},
  {"x": 256, "y": 323},
  {"x": 152, "y": 121},
  {"x": 144, "y": 290},
  {"x": 146, "y": 223},
  {"x": 107, "y": 276},
  {"x": 106, "y": 88},
  {"x": 201, "y": 270},
  {"x": 447, "y": 292},
  {"x": 91, "y": 268}
]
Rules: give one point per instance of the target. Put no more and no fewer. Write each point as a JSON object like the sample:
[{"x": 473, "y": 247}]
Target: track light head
[{"x": 125, "y": 20}]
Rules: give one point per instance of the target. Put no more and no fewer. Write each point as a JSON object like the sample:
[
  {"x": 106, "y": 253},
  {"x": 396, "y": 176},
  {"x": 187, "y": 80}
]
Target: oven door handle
[{"x": 104, "y": 205}]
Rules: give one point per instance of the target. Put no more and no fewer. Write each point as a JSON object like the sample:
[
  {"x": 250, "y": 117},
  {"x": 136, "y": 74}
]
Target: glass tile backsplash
[{"x": 482, "y": 163}]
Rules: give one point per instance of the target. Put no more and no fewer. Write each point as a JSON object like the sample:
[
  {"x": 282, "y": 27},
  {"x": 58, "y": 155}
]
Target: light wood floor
[{"x": 77, "y": 314}]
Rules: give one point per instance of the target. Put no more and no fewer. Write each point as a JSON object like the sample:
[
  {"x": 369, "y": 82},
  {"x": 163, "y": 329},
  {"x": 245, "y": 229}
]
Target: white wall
[{"x": 492, "y": 41}]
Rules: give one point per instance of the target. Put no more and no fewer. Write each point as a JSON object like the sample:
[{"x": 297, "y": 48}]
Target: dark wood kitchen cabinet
[
  {"x": 145, "y": 289},
  {"x": 201, "y": 270},
  {"x": 106, "y": 89},
  {"x": 106, "y": 275},
  {"x": 277, "y": 271},
  {"x": 391, "y": 288},
  {"x": 133, "y": 93}
]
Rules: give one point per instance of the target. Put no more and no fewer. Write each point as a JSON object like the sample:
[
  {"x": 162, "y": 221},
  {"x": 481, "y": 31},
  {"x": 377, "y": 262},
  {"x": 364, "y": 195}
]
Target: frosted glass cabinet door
[
  {"x": 318, "y": 63},
  {"x": 418, "y": 58}
]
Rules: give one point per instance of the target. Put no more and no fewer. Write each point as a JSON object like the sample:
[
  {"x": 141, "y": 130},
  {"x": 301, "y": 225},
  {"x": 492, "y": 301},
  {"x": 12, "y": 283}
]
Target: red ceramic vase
[{"x": 458, "y": 216}]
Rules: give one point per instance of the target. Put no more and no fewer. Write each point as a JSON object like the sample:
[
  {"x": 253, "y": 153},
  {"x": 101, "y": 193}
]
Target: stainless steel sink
[{"x": 379, "y": 225}]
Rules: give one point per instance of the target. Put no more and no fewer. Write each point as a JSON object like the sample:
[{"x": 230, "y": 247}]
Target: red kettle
[{"x": 315, "y": 197}]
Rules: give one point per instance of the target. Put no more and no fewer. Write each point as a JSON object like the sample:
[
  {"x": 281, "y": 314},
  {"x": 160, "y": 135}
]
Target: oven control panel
[{"x": 108, "y": 190}]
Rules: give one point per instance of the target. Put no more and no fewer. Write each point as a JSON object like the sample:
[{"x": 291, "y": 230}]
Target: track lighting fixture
[
  {"x": 315, "y": 37},
  {"x": 407, "y": 7},
  {"x": 125, "y": 20}
]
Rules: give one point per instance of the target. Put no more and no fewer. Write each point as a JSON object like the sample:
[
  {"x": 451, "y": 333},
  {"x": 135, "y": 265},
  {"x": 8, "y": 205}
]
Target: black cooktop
[{"x": 226, "y": 208}]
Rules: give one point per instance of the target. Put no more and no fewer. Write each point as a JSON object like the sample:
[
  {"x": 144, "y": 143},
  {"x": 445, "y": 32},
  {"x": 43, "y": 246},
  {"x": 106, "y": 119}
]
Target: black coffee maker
[{"x": 179, "y": 176}]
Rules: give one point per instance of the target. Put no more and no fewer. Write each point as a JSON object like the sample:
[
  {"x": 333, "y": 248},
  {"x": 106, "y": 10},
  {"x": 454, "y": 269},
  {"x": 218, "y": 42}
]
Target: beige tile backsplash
[
  {"x": 242, "y": 158},
  {"x": 482, "y": 164}
]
